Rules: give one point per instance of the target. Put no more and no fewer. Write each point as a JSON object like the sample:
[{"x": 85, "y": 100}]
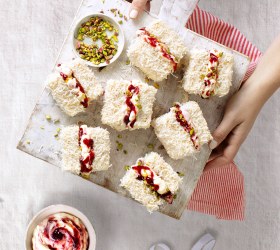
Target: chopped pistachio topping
[
  {"x": 147, "y": 79},
  {"x": 96, "y": 29}
]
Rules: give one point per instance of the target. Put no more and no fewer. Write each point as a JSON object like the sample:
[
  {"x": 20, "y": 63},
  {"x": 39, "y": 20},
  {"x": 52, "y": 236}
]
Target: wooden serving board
[{"x": 41, "y": 142}]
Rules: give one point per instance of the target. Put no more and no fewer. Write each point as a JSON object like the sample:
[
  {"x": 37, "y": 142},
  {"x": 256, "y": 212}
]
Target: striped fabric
[
  {"x": 216, "y": 29},
  {"x": 220, "y": 191}
]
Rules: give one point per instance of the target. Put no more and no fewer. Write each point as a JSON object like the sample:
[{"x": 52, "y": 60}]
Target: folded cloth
[{"x": 220, "y": 191}]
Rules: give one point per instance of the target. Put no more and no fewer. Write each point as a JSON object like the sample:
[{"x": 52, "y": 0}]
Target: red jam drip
[
  {"x": 150, "y": 181},
  {"x": 79, "y": 86},
  {"x": 186, "y": 125},
  {"x": 155, "y": 42},
  {"x": 90, "y": 158},
  {"x": 57, "y": 234},
  {"x": 131, "y": 107},
  {"x": 212, "y": 73}
]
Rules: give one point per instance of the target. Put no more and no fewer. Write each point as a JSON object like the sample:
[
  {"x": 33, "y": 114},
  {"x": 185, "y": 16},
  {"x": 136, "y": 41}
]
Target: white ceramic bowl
[
  {"x": 46, "y": 212},
  {"x": 120, "y": 38}
]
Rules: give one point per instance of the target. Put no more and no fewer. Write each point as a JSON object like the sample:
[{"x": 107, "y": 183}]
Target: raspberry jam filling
[
  {"x": 87, "y": 147},
  {"x": 154, "y": 182},
  {"x": 61, "y": 231},
  {"x": 185, "y": 122},
  {"x": 73, "y": 83},
  {"x": 211, "y": 78},
  {"x": 132, "y": 99},
  {"x": 154, "y": 42}
]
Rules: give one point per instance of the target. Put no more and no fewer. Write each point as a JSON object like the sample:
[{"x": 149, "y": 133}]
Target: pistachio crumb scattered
[
  {"x": 28, "y": 142},
  {"x": 156, "y": 85},
  {"x": 174, "y": 196},
  {"x": 56, "y": 121},
  {"x": 119, "y": 146},
  {"x": 150, "y": 146},
  {"x": 127, "y": 62},
  {"x": 119, "y": 136},
  {"x": 126, "y": 167},
  {"x": 42, "y": 127},
  {"x": 48, "y": 117},
  {"x": 58, "y": 130},
  {"x": 125, "y": 152},
  {"x": 180, "y": 174},
  {"x": 120, "y": 22}
]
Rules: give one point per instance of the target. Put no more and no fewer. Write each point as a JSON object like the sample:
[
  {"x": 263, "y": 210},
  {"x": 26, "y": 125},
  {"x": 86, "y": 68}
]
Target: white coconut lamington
[
  {"x": 157, "y": 51},
  {"x": 85, "y": 149},
  {"x": 151, "y": 181},
  {"x": 73, "y": 86},
  {"x": 209, "y": 73},
  {"x": 128, "y": 104},
  {"x": 183, "y": 130}
]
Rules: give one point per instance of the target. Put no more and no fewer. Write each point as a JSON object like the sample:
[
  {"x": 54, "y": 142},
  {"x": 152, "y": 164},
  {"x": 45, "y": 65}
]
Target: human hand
[
  {"x": 240, "y": 114},
  {"x": 137, "y": 6},
  {"x": 243, "y": 108}
]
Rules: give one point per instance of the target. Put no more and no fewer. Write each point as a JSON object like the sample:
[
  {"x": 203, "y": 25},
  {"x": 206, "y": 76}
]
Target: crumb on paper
[
  {"x": 150, "y": 146},
  {"x": 48, "y": 117},
  {"x": 119, "y": 146},
  {"x": 126, "y": 167},
  {"x": 180, "y": 174},
  {"x": 56, "y": 121},
  {"x": 42, "y": 127},
  {"x": 156, "y": 85},
  {"x": 28, "y": 142},
  {"x": 56, "y": 135}
]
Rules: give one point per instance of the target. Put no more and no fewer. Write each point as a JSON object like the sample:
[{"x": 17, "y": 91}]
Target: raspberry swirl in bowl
[{"x": 60, "y": 231}]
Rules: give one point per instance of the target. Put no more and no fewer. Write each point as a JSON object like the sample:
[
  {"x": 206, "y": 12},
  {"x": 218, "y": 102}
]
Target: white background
[{"x": 32, "y": 33}]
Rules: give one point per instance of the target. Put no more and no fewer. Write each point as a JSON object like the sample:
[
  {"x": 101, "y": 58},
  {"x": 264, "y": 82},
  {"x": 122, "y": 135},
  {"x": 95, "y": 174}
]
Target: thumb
[
  {"x": 137, "y": 7},
  {"x": 222, "y": 131}
]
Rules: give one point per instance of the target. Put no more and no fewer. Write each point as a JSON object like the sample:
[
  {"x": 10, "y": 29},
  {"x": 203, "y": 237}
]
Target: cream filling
[
  {"x": 157, "y": 180},
  {"x": 213, "y": 78},
  {"x": 71, "y": 82},
  {"x": 187, "y": 117},
  {"x": 159, "y": 46},
  {"x": 87, "y": 134},
  {"x": 135, "y": 101}
]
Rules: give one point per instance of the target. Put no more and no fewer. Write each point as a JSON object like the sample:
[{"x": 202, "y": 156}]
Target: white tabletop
[{"x": 32, "y": 33}]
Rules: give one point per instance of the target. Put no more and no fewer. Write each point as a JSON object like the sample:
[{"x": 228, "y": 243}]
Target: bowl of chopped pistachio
[{"x": 98, "y": 39}]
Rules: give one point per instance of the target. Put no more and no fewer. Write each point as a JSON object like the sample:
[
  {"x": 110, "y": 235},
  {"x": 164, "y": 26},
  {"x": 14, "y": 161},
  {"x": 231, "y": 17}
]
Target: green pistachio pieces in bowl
[{"x": 98, "y": 39}]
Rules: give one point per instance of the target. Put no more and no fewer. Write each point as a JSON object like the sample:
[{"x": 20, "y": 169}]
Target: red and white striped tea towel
[{"x": 220, "y": 191}]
